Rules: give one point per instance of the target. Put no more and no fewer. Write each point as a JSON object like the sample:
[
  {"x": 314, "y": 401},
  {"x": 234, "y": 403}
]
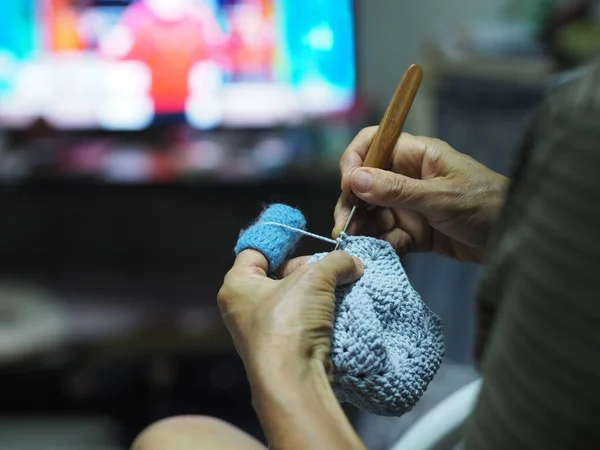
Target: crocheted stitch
[{"x": 387, "y": 344}]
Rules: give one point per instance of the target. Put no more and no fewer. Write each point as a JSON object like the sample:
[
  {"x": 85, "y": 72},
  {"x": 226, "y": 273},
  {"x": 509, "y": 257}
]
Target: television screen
[{"x": 126, "y": 65}]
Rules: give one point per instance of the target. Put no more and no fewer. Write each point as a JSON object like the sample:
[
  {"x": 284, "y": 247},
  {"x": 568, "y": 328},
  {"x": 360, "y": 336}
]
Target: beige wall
[{"x": 390, "y": 33}]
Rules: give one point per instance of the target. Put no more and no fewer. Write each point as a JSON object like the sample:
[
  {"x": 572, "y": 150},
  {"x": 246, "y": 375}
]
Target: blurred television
[{"x": 130, "y": 64}]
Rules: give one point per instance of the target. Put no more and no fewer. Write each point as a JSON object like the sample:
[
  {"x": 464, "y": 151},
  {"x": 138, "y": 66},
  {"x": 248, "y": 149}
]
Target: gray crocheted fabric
[{"x": 387, "y": 344}]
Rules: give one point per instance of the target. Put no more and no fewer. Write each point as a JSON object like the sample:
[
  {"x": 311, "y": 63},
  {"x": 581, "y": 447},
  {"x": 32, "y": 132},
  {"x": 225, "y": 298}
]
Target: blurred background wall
[
  {"x": 117, "y": 227},
  {"x": 410, "y": 24}
]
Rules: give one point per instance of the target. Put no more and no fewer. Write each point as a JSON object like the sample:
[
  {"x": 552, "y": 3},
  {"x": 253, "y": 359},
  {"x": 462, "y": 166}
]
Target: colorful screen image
[{"x": 123, "y": 64}]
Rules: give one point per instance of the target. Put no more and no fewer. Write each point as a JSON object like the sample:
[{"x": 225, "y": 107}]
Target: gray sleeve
[{"x": 542, "y": 365}]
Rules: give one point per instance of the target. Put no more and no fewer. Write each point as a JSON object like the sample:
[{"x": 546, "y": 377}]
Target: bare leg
[{"x": 192, "y": 433}]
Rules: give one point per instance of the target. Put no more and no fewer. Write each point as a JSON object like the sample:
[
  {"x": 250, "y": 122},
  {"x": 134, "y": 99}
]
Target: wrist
[
  {"x": 297, "y": 408},
  {"x": 276, "y": 358},
  {"x": 498, "y": 188},
  {"x": 271, "y": 376},
  {"x": 495, "y": 202}
]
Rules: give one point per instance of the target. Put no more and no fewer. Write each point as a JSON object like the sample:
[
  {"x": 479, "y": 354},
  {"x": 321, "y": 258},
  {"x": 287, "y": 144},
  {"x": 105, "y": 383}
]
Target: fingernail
[
  {"x": 358, "y": 262},
  {"x": 362, "y": 181}
]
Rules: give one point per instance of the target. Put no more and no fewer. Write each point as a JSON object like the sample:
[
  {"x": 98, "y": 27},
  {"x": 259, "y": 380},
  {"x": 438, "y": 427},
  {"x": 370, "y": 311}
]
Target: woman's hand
[
  {"x": 434, "y": 199},
  {"x": 285, "y": 323},
  {"x": 282, "y": 330}
]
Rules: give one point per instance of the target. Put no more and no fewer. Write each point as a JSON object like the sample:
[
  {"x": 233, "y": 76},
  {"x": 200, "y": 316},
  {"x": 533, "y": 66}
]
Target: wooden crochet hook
[{"x": 379, "y": 154}]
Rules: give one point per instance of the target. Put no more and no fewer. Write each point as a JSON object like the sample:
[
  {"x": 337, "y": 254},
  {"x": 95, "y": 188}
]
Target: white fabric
[{"x": 441, "y": 428}]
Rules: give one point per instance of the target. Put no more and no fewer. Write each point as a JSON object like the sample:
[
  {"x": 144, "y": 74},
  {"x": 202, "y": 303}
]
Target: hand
[
  {"x": 285, "y": 322},
  {"x": 434, "y": 199}
]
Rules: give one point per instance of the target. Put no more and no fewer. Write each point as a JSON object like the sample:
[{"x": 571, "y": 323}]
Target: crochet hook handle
[{"x": 379, "y": 155}]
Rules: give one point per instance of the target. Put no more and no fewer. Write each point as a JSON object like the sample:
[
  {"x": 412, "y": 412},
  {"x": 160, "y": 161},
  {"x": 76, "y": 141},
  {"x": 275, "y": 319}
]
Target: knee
[
  {"x": 180, "y": 432},
  {"x": 188, "y": 432}
]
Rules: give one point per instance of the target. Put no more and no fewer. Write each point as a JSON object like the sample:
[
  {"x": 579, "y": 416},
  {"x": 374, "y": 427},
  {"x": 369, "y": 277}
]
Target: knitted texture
[
  {"x": 274, "y": 242},
  {"x": 387, "y": 344}
]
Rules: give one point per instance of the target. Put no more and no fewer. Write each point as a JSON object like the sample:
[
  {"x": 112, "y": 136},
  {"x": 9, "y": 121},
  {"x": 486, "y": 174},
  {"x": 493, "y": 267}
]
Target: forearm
[{"x": 298, "y": 409}]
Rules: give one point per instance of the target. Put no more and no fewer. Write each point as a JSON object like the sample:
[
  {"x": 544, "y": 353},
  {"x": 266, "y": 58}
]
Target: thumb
[
  {"x": 384, "y": 188},
  {"x": 339, "y": 268}
]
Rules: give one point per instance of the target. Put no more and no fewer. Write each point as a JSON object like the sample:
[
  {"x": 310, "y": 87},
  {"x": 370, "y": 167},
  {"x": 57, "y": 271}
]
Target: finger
[
  {"x": 417, "y": 227},
  {"x": 339, "y": 268},
  {"x": 290, "y": 266},
  {"x": 377, "y": 221},
  {"x": 384, "y": 188},
  {"x": 408, "y": 149},
  {"x": 354, "y": 155},
  {"x": 409, "y": 154},
  {"x": 251, "y": 262},
  {"x": 351, "y": 160},
  {"x": 341, "y": 213},
  {"x": 366, "y": 222},
  {"x": 401, "y": 241}
]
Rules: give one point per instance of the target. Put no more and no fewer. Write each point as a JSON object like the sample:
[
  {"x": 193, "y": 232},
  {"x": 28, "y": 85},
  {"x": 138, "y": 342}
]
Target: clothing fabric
[{"x": 538, "y": 308}]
